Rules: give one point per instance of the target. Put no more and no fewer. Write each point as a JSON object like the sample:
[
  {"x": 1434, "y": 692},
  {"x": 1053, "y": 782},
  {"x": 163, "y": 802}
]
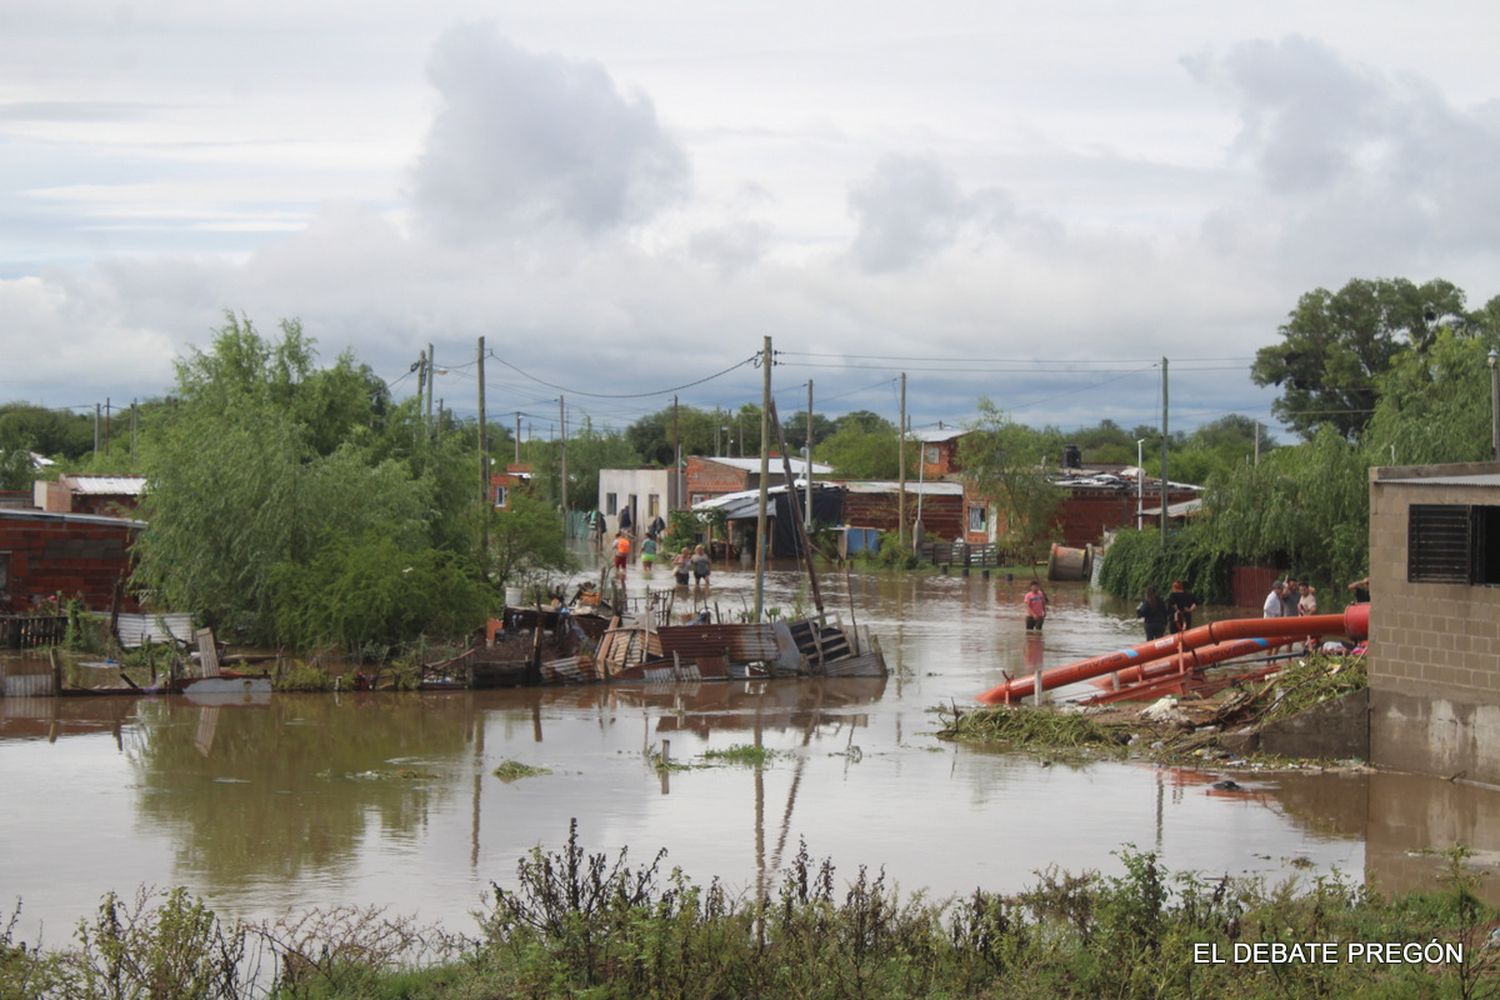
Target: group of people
[
  {"x": 1289, "y": 598},
  {"x": 686, "y": 563},
  {"x": 1175, "y": 611}
]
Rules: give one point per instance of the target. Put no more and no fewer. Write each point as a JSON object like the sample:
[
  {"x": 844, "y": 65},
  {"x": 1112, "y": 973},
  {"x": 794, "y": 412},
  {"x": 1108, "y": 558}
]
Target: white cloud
[{"x": 524, "y": 140}]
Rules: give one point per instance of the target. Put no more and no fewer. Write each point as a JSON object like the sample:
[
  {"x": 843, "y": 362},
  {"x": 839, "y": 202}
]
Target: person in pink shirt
[{"x": 1036, "y": 606}]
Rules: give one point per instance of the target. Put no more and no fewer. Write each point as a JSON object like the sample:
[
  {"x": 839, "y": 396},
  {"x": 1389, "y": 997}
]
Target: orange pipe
[{"x": 1354, "y": 623}]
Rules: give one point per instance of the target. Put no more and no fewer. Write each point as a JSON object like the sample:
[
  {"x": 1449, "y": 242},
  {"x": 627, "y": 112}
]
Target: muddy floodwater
[{"x": 311, "y": 800}]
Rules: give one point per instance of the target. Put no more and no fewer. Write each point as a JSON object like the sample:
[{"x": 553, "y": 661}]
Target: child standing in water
[
  {"x": 1035, "y": 600},
  {"x": 648, "y": 554}
]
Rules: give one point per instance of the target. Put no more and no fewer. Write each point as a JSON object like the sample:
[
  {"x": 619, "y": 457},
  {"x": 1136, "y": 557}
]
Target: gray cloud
[
  {"x": 1352, "y": 165},
  {"x": 911, "y": 208},
  {"x": 525, "y": 140}
]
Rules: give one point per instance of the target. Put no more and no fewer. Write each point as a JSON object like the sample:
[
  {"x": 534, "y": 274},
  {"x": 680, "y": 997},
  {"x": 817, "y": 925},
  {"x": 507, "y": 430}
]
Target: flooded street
[{"x": 309, "y": 800}]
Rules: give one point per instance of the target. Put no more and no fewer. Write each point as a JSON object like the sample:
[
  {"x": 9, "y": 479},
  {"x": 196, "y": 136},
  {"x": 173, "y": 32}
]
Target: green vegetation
[
  {"x": 582, "y": 924},
  {"x": 514, "y": 770},
  {"x": 1012, "y": 464},
  {"x": 742, "y": 753},
  {"x": 297, "y": 506},
  {"x": 1037, "y": 729}
]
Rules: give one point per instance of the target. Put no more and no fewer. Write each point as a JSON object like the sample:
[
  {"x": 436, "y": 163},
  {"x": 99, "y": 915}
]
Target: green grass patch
[
  {"x": 1036, "y": 729},
  {"x": 746, "y": 754},
  {"x": 514, "y": 770}
]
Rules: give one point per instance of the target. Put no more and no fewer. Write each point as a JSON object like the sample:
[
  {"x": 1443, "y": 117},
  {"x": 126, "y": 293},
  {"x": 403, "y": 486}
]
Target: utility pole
[
  {"x": 562, "y": 443},
  {"x": 106, "y": 422},
  {"x": 132, "y": 428},
  {"x": 431, "y": 378},
  {"x": 1164, "y": 439},
  {"x": 807, "y": 506},
  {"x": 485, "y": 504},
  {"x": 96, "y": 428},
  {"x": 1257, "y": 444},
  {"x": 765, "y": 475},
  {"x": 901, "y": 461},
  {"x": 518, "y": 437},
  {"x": 422, "y": 367},
  {"x": 676, "y": 461}
]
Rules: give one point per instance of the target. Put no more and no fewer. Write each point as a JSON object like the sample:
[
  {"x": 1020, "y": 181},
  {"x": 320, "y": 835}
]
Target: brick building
[
  {"x": 502, "y": 484},
  {"x": 1434, "y": 657},
  {"x": 44, "y": 553},
  {"x": 707, "y": 478},
  {"x": 72, "y": 493}
]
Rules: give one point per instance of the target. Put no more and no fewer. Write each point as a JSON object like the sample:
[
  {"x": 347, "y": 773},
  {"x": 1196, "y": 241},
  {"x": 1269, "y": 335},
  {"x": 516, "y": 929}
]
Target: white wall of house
[{"x": 647, "y": 492}]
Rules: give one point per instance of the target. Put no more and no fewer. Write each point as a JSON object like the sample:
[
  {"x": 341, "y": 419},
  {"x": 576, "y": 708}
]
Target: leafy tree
[
  {"x": 859, "y": 453},
  {"x": 588, "y": 452},
  {"x": 1305, "y": 507},
  {"x": 371, "y": 595},
  {"x": 525, "y": 539},
  {"x": 864, "y": 420},
  {"x": 1434, "y": 406},
  {"x": 266, "y": 467},
  {"x": 651, "y": 436},
  {"x": 1336, "y": 344},
  {"x": 1009, "y": 463},
  {"x": 60, "y": 433}
]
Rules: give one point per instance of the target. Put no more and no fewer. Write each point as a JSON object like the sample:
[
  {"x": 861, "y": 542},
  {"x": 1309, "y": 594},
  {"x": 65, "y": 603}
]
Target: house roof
[
  {"x": 933, "y": 488},
  {"x": 753, "y": 465},
  {"x": 47, "y": 515},
  {"x": 940, "y": 435},
  {"x": 119, "y": 486},
  {"x": 1491, "y": 479},
  {"x": 1185, "y": 509}
]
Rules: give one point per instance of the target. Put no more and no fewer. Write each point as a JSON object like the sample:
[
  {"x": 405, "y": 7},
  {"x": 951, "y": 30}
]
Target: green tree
[
  {"x": 1305, "y": 507},
  {"x": 526, "y": 539},
  {"x": 858, "y": 453},
  {"x": 1010, "y": 464},
  {"x": 651, "y": 436},
  {"x": 1435, "y": 406},
  {"x": 1335, "y": 345}
]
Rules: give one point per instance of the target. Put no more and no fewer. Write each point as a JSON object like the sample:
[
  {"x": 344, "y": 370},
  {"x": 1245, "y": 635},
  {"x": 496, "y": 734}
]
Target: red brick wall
[
  {"x": 50, "y": 556},
  {"x": 707, "y": 478},
  {"x": 942, "y": 517},
  {"x": 947, "y": 463}
]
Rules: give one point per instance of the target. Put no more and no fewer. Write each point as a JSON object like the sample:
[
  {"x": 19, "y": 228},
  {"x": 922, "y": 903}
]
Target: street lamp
[
  {"x": 1140, "y": 483},
  {"x": 1494, "y": 404}
]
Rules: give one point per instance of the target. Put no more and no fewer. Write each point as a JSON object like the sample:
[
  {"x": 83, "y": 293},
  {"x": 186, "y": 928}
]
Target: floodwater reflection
[{"x": 389, "y": 799}]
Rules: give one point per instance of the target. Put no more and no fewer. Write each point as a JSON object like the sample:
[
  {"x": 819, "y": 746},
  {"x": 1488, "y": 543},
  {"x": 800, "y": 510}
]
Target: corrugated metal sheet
[
  {"x": 737, "y": 643},
  {"x": 129, "y": 486},
  {"x": 134, "y": 629}
]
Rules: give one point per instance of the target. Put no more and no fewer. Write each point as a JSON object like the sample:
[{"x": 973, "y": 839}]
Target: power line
[{"x": 624, "y": 395}]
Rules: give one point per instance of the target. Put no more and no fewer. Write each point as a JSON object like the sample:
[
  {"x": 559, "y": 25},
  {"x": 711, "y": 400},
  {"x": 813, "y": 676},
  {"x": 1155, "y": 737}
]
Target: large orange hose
[{"x": 1354, "y": 623}]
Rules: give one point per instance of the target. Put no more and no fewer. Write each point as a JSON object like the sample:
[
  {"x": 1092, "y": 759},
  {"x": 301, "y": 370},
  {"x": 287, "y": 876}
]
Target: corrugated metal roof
[
  {"x": 47, "y": 515},
  {"x": 753, "y": 465},
  {"x": 129, "y": 486},
  {"x": 939, "y": 488},
  {"x": 1491, "y": 479},
  {"x": 939, "y": 436}
]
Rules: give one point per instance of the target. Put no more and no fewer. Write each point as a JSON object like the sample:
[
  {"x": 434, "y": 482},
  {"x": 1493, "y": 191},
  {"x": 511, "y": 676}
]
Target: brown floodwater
[{"x": 295, "y": 801}]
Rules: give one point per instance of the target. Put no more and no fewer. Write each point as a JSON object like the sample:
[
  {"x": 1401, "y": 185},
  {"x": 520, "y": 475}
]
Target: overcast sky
[{"x": 1033, "y": 202}]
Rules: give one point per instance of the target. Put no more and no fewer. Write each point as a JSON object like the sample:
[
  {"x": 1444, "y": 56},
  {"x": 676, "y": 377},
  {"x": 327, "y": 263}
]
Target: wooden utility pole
[
  {"x": 485, "y": 503},
  {"x": 96, "y": 428},
  {"x": 518, "y": 437},
  {"x": 901, "y": 460},
  {"x": 431, "y": 378},
  {"x": 805, "y": 545},
  {"x": 562, "y": 443},
  {"x": 132, "y": 427},
  {"x": 106, "y": 422},
  {"x": 1164, "y": 438},
  {"x": 422, "y": 367},
  {"x": 676, "y": 501},
  {"x": 765, "y": 475},
  {"x": 808, "y": 472}
]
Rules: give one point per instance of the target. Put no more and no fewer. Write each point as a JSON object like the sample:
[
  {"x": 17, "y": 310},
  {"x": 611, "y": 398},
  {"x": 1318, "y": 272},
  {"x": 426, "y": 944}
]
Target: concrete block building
[{"x": 1434, "y": 656}]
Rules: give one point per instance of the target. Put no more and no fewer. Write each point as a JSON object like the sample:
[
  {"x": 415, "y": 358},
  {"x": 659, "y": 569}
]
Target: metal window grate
[{"x": 1439, "y": 543}]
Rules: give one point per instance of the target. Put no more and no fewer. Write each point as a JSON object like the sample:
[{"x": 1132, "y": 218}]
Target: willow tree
[
  {"x": 1304, "y": 507},
  {"x": 1011, "y": 464},
  {"x": 1435, "y": 405}
]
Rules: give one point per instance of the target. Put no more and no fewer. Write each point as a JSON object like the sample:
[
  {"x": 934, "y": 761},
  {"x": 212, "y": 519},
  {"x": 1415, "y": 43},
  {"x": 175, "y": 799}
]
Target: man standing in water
[
  {"x": 1181, "y": 603},
  {"x": 1036, "y": 606}
]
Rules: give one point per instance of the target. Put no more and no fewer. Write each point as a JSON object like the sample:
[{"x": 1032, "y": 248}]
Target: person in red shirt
[
  {"x": 622, "y": 554},
  {"x": 1036, "y": 606}
]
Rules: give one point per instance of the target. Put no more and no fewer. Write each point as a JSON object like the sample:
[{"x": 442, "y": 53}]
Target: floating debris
[{"x": 514, "y": 770}]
